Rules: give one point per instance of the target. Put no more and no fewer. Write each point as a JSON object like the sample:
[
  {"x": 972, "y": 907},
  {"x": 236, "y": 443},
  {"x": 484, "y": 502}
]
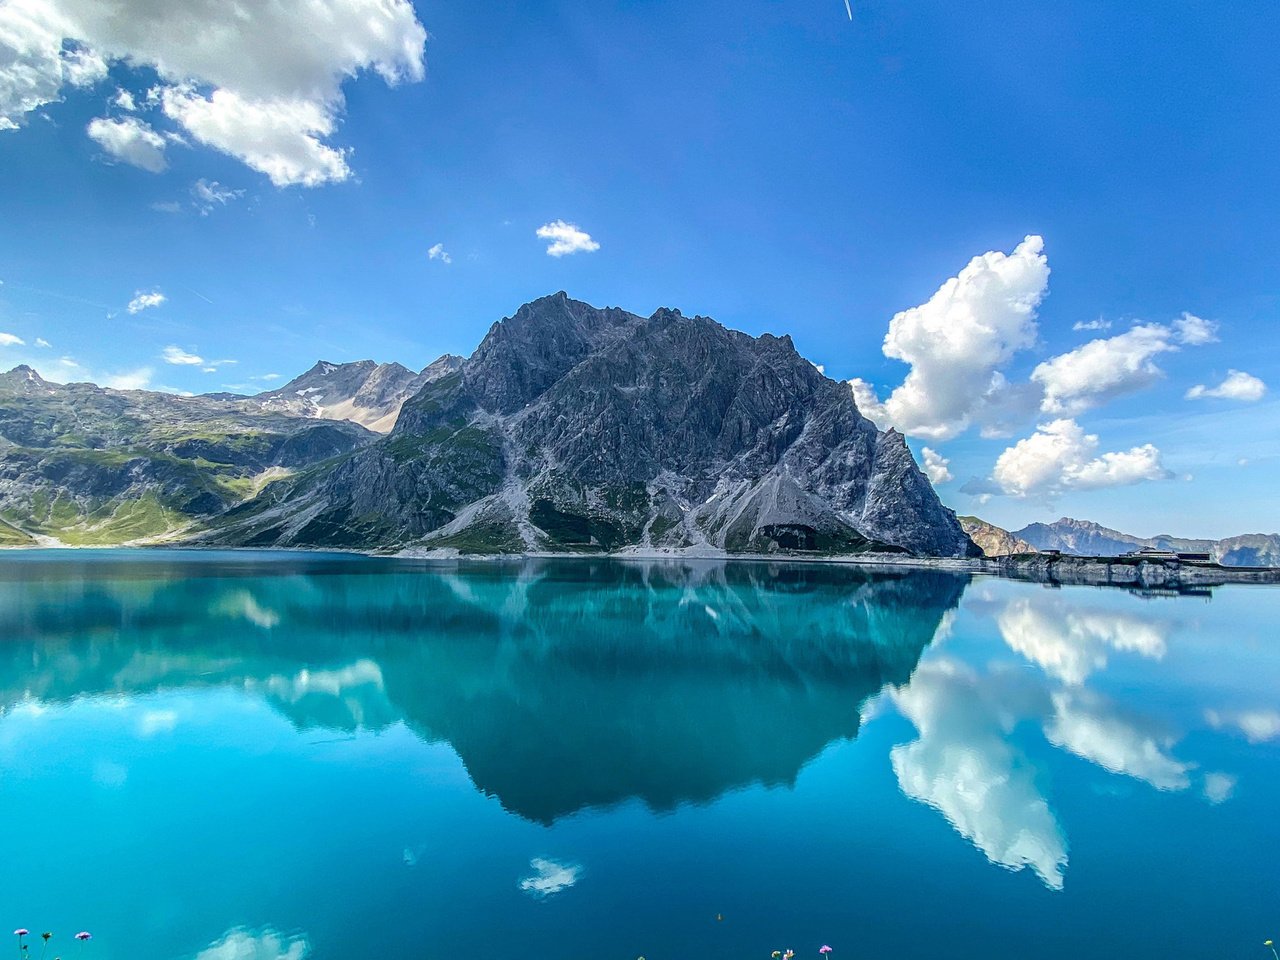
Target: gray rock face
[
  {"x": 1086, "y": 538},
  {"x": 577, "y": 428},
  {"x": 370, "y": 394},
  {"x": 993, "y": 541}
]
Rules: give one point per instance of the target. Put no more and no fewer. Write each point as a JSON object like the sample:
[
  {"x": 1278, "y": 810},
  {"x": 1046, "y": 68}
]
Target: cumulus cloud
[
  {"x": 1060, "y": 456},
  {"x": 124, "y": 100},
  {"x": 241, "y": 944},
  {"x": 1238, "y": 385},
  {"x": 549, "y": 878},
  {"x": 179, "y": 357},
  {"x": 1219, "y": 787},
  {"x": 963, "y": 766},
  {"x": 35, "y": 63},
  {"x": 438, "y": 252},
  {"x": 1103, "y": 369},
  {"x": 566, "y": 238},
  {"x": 260, "y": 80},
  {"x": 138, "y": 379},
  {"x": 936, "y": 466},
  {"x": 131, "y": 141},
  {"x": 956, "y": 342},
  {"x": 1258, "y": 726},
  {"x": 1069, "y": 642},
  {"x": 143, "y": 301},
  {"x": 11, "y": 340},
  {"x": 1090, "y": 727},
  {"x": 208, "y": 194}
]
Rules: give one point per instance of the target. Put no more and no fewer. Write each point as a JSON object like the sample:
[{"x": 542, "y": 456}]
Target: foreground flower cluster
[{"x": 24, "y": 948}]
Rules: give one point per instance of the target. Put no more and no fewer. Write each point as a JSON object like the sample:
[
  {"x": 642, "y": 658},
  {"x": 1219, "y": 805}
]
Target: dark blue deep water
[{"x": 278, "y": 757}]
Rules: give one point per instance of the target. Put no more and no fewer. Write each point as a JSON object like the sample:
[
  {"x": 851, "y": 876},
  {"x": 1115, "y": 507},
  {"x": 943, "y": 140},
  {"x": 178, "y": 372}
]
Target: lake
[{"x": 285, "y": 756}]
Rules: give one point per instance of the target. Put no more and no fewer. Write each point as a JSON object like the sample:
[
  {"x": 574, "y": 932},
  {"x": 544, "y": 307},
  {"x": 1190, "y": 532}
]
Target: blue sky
[{"x": 773, "y": 165}]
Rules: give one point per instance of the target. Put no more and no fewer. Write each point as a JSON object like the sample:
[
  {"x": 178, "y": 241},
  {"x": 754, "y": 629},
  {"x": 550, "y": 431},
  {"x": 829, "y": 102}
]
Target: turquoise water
[{"x": 278, "y": 757}]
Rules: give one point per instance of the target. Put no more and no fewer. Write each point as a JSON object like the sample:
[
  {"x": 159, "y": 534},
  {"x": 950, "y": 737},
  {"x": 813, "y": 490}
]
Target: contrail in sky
[
  {"x": 848, "y": 8},
  {"x": 203, "y": 297}
]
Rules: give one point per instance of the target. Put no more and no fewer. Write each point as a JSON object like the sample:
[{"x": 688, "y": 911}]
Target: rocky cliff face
[
  {"x": 993, "y": 541},
  {"x": 1086, "y": 538},
  {"x": 577, "y": 428},
  {"x": 370, "y": 394}
]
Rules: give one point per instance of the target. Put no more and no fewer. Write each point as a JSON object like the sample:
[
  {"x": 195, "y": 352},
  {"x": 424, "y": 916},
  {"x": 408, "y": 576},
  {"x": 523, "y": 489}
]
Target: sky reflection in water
[{"x": 232, "y": 755}]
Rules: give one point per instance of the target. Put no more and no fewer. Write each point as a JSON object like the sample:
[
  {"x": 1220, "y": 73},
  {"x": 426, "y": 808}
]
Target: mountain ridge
[
  {"x": 575, "y": 428},
  {"x": 1087, "y": 538}
]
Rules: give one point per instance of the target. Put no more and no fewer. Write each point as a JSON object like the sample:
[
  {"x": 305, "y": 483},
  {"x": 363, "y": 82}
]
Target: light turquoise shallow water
[{"x": 273, "y": 757}]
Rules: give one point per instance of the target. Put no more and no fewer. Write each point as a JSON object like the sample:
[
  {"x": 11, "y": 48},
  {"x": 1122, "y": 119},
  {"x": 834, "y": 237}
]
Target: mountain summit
[{"x": 577, "y": 428}]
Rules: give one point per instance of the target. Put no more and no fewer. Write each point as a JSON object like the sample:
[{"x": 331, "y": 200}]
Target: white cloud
[
  {"x": 155, "y": 722},
  {"x": 167, "y": 206},
  {"x": 1258, "y": 726},
  {"x": 142, "y": 301},
  {"x": 566, "y": 238},
  {"x": 35, "y": 64},
  {"x": 549, "y": 878},
  {"x": 1060, "y": 456},
  {"x": 11, "y": 340},
  {"x": 936, "y": 466},
  {"x": 1219, "y": 787},
  {"x": 179, "y": 357},
  {"x": 1090, "y": 727},
  {"x": 1070, "y": 642},
  {"x": 1195, "y": 331},
  {"x": 438, "y": 252},
  {"x": 241, "y": 944},
  {"x": 260, "y": 80},
  {"x": 1103, "y": 369},
  {"x": 43, "y": 343},
  {"x": 210, "y": 193},
  {"x": 124, "y": 100},
  {"x": 131, "y": 140},
  {"x": 283, "y": 138},
  {"x": 956, "y": 342},
  {"x": 963, "y": 766},
  {"x": 138, "y": 379},
  {"x": 1238, "y": 385},
  {"x": 1099, "y": 324}
]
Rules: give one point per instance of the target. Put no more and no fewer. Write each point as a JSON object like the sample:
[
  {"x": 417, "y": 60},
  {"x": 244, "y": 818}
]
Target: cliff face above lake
[{"x": 578, "y": 428}]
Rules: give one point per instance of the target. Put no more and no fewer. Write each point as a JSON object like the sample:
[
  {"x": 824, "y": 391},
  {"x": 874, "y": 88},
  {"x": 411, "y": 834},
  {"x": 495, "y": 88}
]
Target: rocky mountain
[
  {"x": 370, "y": 394},
  {"x": 993, "y": 541},
  {"x": 575, "y": 428},
  {"x": 87, "y": 465},
  {"x": 1086, "y": 538}
]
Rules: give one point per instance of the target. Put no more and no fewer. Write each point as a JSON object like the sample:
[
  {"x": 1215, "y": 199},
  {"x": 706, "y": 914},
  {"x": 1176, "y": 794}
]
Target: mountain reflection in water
[{"x": 561, "y": 684}]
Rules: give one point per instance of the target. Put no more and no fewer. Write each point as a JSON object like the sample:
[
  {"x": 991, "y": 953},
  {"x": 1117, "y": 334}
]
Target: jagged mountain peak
[{"x": 578, "y": 427}]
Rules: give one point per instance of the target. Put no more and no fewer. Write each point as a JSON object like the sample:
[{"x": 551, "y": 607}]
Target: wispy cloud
[{"x": 438, "y": 252}]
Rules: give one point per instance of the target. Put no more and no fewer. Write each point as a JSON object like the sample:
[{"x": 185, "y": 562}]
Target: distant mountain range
[
  {"x": 570, "y": 428},
  {"x": 1086, "y": 538}
]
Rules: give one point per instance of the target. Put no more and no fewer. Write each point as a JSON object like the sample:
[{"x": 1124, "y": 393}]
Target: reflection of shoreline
[{"x": 560, "y": 685}]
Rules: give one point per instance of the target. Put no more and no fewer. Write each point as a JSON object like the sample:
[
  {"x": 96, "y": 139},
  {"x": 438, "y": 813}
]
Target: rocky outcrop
[
  {"x": 993, "y": 541},
  {"x": 576, "y": 428},
  {"x": 370, "y": 394}
]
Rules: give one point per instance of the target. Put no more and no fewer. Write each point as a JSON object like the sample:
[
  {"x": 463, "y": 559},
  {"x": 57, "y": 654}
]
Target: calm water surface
[{"x": 278, "y": 757}]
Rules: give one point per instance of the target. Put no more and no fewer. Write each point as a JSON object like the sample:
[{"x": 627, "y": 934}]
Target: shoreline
[{"x": 1049, "y": 569}]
